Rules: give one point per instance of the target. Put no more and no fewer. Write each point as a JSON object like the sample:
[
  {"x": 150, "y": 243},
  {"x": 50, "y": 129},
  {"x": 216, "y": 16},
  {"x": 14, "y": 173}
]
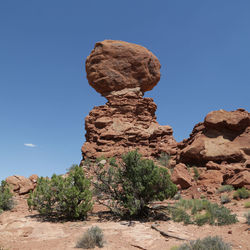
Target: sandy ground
[{"x": 20, "y": 229}]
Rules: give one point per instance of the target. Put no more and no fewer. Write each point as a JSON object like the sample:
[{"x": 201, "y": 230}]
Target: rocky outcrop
[
  {"x": 221, "y": 145},
  {"x": 122, "y": 72},
  {"x": 222, "y": 137},
  {"x": 22, "y": 185}
]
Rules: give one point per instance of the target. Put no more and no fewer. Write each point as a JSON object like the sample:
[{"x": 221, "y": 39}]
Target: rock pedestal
[{"x": 122, "y": 72}]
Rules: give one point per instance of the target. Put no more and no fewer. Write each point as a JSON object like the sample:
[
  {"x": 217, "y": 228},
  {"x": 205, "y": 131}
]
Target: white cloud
[{"x": 30, "y": 145}]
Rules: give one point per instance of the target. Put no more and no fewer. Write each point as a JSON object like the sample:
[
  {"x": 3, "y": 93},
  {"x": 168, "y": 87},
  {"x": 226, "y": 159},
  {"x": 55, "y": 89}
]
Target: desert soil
[{"x": 22, "y": 229}]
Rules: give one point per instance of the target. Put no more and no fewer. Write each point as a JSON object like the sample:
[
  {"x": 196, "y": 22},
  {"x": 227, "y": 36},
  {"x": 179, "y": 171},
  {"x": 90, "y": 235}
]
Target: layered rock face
[
  {"x": 222, "y": 137},
  {"x": 122, "y": 72},
  {"x": 220, "y": 146}
]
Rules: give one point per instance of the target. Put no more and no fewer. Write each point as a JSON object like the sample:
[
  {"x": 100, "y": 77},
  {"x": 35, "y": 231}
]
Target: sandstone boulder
[
  {"x": 223, "y": 136},
  {"x": 211, "y": 178},
  {"x": 116, "y": 65},
  {"x": 181, "y": 176},
  {"x": 20, "y": 184},
  {"x": 241, "y": 179}
]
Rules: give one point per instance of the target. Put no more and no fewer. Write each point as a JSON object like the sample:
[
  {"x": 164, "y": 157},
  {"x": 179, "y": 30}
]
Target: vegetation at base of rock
[
  {"x": 247, "y": 204},
  {"x": 6, "y": 197},
  {"x": 164, "y": 159},
  {"x": 177, "y": 196},
  {"x": 58, "y": 197},
  {"x": 247, "y": 216},
  {"x": 241, "y": 193},
  {"x": 196, "y": 173},
  {"x": 100, "y": 158},
  {"x": 208, "y": 243},
  {"x": 112, "y": 162},
  {"x": 201, "y": 212},
  {"x": 127, "y": 189},
  {"x": 93, "y": 237},
  {"x": 87, "y": 162},
  {"x": 225, "y": 188},
  {"x": 224, "y": 199}
]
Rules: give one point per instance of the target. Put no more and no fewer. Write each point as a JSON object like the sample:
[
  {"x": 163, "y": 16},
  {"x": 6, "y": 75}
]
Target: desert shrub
[
  {"x": 177, "y": 196},
  {"x": 247, "y": 216},
  {"x": 180, "y": 215},
  {"x": 225, "y": 188},
  {"x": 112, "y": 162},
  {"x": 93, "y": 237},
  {"x": 196, "y": 173},
  {"x": 6, "y": 197},
  {"x": 72, "y": 167},
  {"x": 208, "y": 243},
  {"x": 247, "y": 204},
  {"x": 241, "y": 193},
  {"x": 59, "y": 197},
  {"x": 127, "y": 190},
  {"x": 164, "y": 159},
  {"x": 201, "y": 212},
  {"x": 224, "y": 199}
]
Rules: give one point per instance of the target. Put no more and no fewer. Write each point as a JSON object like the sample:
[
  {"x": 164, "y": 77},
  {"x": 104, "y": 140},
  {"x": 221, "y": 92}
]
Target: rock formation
[
  {"x": 122, "y": 72},
  {"x": 222, "y": 137},
  {"x": 221, "y": 146},
  {"x": 22, "y": 185}
]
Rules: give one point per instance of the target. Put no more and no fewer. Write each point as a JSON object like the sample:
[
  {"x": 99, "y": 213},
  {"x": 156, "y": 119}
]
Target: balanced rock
[
  {"x": 117, "y": 65},
  {"x": 122, "y": 72}
]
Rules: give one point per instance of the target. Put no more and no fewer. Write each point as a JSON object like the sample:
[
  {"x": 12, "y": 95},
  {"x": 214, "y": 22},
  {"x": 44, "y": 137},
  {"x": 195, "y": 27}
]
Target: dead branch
[{"x": 166, "y": 234}]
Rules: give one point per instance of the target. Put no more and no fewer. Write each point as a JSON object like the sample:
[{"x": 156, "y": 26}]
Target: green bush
[
  {"x": 196, "y": 173},
  {"x": 6, "y": 197},
  {"x": 112, "y": 162},
  {"x": 241, "y": 193},
  {"x": 225, "y": 188},
  {"x": 128, "y": 189},
  {"x": 247, "y": 216},
  {"x": 247, "y": 204},
  {"x": 93, "y": 237},
  {"x": 201, "y": 212},
  {"x": 59, "y": 197},
  {"x": 208, "y": 243},
  {"x": 224, "y": 199},
  {"x": 72, "y": 167},
  {"x": 180, "y": 215}
]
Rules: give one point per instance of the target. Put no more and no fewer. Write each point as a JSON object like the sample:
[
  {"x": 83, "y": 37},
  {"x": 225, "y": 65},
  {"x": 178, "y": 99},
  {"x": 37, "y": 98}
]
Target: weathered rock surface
[
  {"x": 122, "y": 72},
  {"x": 223, "y": 136},
  {"x": 116, "y": 65},
  {"x": 221, "y": 144},
  {"x": 241, "y": 179},
  {"x": 20, "y": 184},
  {"x": 181, "y": 176}
]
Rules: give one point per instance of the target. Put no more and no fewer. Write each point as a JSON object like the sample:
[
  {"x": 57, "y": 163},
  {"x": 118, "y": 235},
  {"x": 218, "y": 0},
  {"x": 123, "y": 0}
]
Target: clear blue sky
[{"x": 203, "y": 47}]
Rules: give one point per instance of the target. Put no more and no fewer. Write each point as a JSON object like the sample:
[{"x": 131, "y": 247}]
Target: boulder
[
  {"x": 181, "y": 176},
  {"x": 223, "y": 136},
  {"x": 239, "y": 180},
  {"x": 211, "y": 178},
  {"x": 116, "y": 66},
  {"x": 20, "y": 184}
]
